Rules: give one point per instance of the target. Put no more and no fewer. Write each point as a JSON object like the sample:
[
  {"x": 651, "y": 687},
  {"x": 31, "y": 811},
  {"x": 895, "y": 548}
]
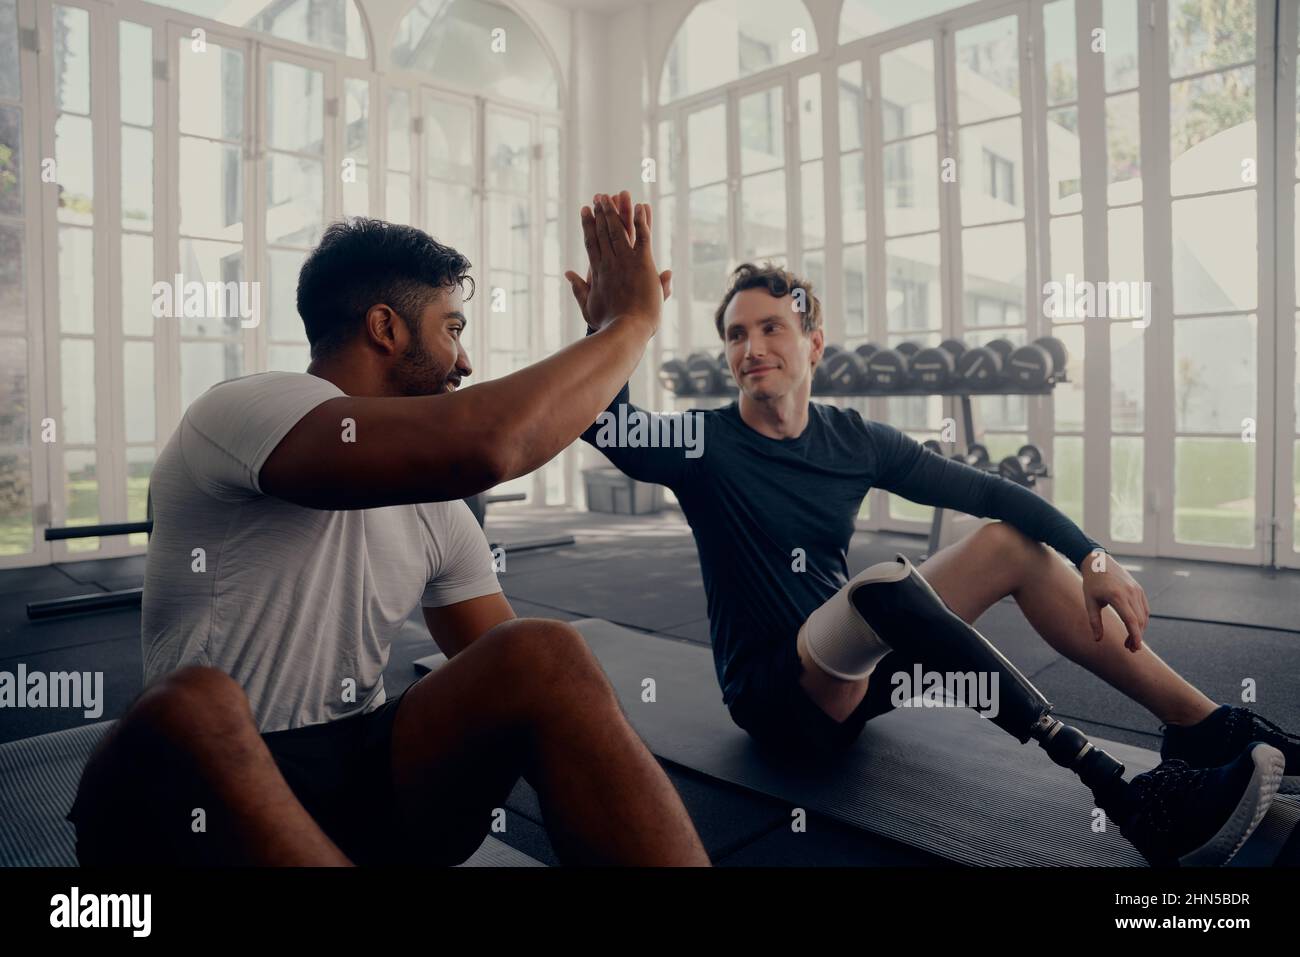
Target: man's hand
[
  {"x": 627, "y": 215},
  {"x": 1107, "y": 582}
]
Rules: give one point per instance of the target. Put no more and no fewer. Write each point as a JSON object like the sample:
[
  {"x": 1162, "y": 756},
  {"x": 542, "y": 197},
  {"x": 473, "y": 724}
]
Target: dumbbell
[
  {"x": 935, "y": 368},
  {"x": 1036, "y": 364},
  {"x": 847, "y": 372},
  {"x": 1025, "y": 467},
  {"x": 976, "y": 456},
  {"x": 821, "y": 374},
  {"x": 981, "y": 367},
  {"x": 703, "y": 370},
  {"x": 933, "y": 446},
  {"x": 675, "y": 377},
  {"x": 890, "y": 370}
]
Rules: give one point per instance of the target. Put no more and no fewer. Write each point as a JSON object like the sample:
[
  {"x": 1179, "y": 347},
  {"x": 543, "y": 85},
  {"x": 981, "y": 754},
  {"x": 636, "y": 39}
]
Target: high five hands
[{"x": 621, "y": 276}]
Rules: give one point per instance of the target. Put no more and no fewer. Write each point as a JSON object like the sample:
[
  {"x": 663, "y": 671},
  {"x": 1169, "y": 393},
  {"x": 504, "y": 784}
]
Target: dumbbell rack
[{"x": 958, "y": 390}]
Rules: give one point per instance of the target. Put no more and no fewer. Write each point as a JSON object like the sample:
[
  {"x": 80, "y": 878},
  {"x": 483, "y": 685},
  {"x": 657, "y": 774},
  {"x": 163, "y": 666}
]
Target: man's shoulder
[{"x": 258, "y": 387}]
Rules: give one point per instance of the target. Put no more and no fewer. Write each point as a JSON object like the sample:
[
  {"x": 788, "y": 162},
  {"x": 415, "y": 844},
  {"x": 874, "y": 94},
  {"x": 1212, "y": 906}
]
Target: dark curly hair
[
  {"x": 778, "y": 282},
  {"x": 362, "y": 262}
]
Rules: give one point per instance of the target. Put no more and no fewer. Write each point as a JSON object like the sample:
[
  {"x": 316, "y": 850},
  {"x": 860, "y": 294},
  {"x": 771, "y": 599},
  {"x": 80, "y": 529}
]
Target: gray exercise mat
[{"x": 941, "y": 779}]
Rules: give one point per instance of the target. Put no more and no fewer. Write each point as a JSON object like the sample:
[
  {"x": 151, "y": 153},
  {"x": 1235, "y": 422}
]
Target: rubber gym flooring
[{"x": 1218, "y": 625}]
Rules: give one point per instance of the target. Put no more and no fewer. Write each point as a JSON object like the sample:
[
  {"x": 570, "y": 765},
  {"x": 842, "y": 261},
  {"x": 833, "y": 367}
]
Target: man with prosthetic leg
[{"x": 1173, "y": 814}]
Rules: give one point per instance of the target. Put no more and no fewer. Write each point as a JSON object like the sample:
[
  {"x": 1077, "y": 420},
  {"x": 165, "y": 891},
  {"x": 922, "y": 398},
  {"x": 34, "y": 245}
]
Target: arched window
[
  {"x": 864, "y": 18},
  {"x": 477, "y": 46},
  {"x": 724, "y": 40},
  {"x": 329, "y": 24}
]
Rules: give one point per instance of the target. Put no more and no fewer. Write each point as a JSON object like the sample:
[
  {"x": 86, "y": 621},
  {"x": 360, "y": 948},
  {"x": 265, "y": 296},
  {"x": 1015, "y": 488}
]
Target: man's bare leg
[
  {"x": 197, "y": 721},
  {"x": 997, "y": 561},
  {"x": 528, "y": 698}
]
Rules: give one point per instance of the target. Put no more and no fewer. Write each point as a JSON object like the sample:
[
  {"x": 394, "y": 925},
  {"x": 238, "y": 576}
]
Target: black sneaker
[
  {"x": 1200, "y": 817},
  {"x": 1224, "y": 734}
]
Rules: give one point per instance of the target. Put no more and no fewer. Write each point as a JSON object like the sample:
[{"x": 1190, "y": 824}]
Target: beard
[{"x": 418, "y": 372}]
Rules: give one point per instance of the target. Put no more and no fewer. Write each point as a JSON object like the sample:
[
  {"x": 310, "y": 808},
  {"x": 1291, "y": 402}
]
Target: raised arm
[{"x": 442, "y": 447}]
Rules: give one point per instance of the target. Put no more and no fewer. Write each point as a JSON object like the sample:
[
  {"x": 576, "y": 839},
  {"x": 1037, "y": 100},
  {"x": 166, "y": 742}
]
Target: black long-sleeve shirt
[{"x": 753, "y": 501}]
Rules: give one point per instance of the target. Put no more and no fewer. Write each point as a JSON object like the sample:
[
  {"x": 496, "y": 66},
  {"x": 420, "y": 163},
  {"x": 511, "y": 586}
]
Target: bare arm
[
  {"x": 455, "y": 627},
  {"x": 442, "y": 447}
]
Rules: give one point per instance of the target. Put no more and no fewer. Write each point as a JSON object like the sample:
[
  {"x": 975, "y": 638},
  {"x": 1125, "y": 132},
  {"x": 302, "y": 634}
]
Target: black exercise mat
[{"x": 941, "y": 779}]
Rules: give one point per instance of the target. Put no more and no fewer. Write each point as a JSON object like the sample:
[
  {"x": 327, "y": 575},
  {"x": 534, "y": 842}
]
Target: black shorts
[
  {"x": 781, "y": 717},
  {"x": 341, "y": 771}
]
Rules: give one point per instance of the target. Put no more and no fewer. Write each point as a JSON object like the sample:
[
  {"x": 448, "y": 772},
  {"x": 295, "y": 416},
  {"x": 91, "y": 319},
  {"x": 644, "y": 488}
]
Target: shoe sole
[{"x": 1254, "y": 804}]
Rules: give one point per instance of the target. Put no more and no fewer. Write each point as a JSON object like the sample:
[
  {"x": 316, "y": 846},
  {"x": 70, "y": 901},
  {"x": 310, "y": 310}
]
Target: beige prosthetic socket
[{"x": 837, "y": 638}]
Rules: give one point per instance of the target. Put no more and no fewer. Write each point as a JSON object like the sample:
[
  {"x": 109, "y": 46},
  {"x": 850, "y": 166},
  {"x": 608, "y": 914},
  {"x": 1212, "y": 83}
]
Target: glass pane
[
  {"x": 993, "y": 284},
  {"x": 71, "y": 60},
  {"x": 853, "y": 197},
  {"x": 855, "y": 290},
  {"x": 204, "y": 364},
  {"x": 138, "y": 390},
  {"x": 1067, "y": 258},
  {"x": 295, "y": 108},
  {"x": 76, "y": 279},
  {"x": 667, "y": 173},
  {"x": 74, "y": 159},
  {"x": 814, "y": 270},
  {"x": 139, "y": 464},
  {"x": 1209, "y": 274},
  {"x": 1215, "y": 374},
  {"x": 912, "y": 297},
  {"x": 356, "y": 120},
  {"x": 509, "y": 332},
  {"x": 1214, "y": 492},
  {"x": 284, "y": 358},
  {"x": 10, "y": 81},
  {"x": 81, "y": 496},
  {"x": 988, "y": 70},
  {"x": 13, "y": 309},
  {"x": 399, "y": 130},
  {"x": 862, "y": 18},
  {"x": 1064, "y": 194},
  {"x": 509, "y": 233},
  {"x": 77, "y": 371},
  {"x": 15, "y": 406},
  {"x": 397, "y": 198},
  {"x": 709, "y": 251},
  {"x": 813, "y": 202},
  {"x": 204, "y": 263},
  {"x": 449, "y": 215},
  {"x": 1207, "y": 35},
  {"x": 810, "y": 116},
  {"x": 137, "y": 285},
  {"x": 449, "y": 140},
  {"x": 907, "y": 90},
  {"x": 1127, "y": 378},
  {"x": 135, "y": 72},
  {"x": 1127, "y": 264},
  {"x": 282, "y": 295},
  {"x": 137, "y": 178},
  {"x": 1124, "y": 147},
  {"x": 509, "y": 148},
  {"x": 706, "y": 132},
  {"x": 551, "y": 162},
  {"x": 356, "y": 193},
  {"x": 212, "y": 91},
  {"x": 295, "y": 190},
  {"x": 1120, "y": 19},
  {"x": 852, "y": 106},
  {"x": 211, "y": 190},
  {"x": 662, "y": 226},
  {"x": 1127, "y": 456},
  {"x": 992, "y": 174},
  {"x": 762, "y": 209},
  {"x": 1062, "y": 68},
  {"x": 724, "y": 40},
  {"x": 762, "y": 131},
  {"x": 11, "y": 161},
  {"x": 16, "y": 528},
  {"x": 1067, "y": 397},
  {"x": 477, "y": 45},
  {"x": 1067, "y": 476},
  {"x": 554, "y": 310},
  {"x": 911, "y": 178},
  {"x": 1212, "y": 132}
]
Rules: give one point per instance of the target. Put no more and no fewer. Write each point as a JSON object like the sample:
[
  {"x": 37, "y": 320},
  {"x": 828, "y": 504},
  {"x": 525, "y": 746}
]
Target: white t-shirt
[{"x": 298, "y": 605}]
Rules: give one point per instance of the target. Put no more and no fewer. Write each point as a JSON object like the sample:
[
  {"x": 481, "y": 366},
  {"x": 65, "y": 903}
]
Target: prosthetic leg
[{"x": 891, "y": 606}]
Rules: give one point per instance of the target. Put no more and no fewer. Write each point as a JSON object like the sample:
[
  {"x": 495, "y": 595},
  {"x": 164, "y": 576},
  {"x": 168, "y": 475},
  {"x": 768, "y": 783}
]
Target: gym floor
[{"x": 1218, "y": 625}]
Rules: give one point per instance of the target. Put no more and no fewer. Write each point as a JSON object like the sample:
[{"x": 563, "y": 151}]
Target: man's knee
[
  {"x": 1003, "y": 542},
  {"x": 547, "y": 653},
  {"x": 191, "y": 698}
]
